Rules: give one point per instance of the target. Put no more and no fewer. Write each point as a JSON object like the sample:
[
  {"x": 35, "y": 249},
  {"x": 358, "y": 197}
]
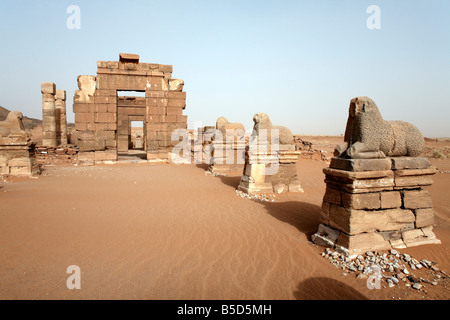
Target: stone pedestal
[
  {"x": 17, "y": 159},
  {"x": 271, "y": 171},
  {"x": 227, "y": 157},
  {"x": 376, "y": 204}
]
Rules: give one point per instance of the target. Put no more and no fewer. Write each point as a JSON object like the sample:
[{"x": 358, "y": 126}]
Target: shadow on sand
[
  {"x": 301, "y": 215},
  {"x": 326, "y": 289},
  {"x": 203, "y": 166},
  {"x": 232, "y": 181}
]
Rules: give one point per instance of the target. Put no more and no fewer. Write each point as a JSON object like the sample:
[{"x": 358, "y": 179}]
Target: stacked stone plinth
[
  {"x": 376, "y": 204},
  {"x": 228, "y": 156},
  {"x": 16, "y": 150},
  {"x": 270, "y": 171},
  {"x": 17, "y": 159}
]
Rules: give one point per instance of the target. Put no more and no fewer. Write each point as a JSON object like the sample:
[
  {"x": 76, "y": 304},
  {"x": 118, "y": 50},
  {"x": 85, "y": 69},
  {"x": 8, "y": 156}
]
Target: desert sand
[{"x": 159, "y": 231}]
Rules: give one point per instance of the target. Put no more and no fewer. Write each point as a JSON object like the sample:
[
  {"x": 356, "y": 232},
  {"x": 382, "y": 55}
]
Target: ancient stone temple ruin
[
  {"x": 16, "y": 151},
  {"x": 270, "y": 164},
  {"x": 228, "y": 148},
  {"x": 104, "y": 109},
  {"x": 375, "y": 197}
]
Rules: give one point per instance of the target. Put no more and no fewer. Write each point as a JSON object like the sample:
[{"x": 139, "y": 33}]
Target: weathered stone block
[
  {"x": 391, "y": 199},
  {"x": 359, "y": 165},
  {"x": 176, "y": 95},
  {"x": 359, "y": 221},
  {"x": 417, "y": 199},
  {"x": 86, "y": 156},
  {"x": 112, "y": 65},
  {"x": 48, "y": 88},
  {"x": 399, "y": 163},
  {"x": 424, "y": 217},
  {"x": 176, "y": 103},
  {"x": 128, "y": 58},
  {"x": 156, "y": 110},
  {"x": 357, "y": 244},
  {"x": 83, "y": 107},
  {"x": 418, "y": 237},
  {"x": 325, "y": 236},
  {"x": 413, "y": 178},
  {"x": 333, "y": 196},
  {"x": 174, "y": 111},
  {"x": 359, "y": 182},
  {"x": 60, "y": 95},
  {"x": 166, "y": 68},
  {"x": 84, "y": 117},
  {"x": 367, "y": 201},
  {"x": 182, "y": 119},
  {"x": 105, "y": 117},
  {"x": 325, "y": 213},
  {"x": 106, "y": 99},
  {"x": 176, "y": 85},
  {"x": 105, "y": 155}
]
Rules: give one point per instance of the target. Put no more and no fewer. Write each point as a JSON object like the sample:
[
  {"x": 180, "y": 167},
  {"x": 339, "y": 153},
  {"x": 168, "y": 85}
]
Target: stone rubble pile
[
  {"x": 394, "y": 267},
  {"x": 56, "y": 156}
]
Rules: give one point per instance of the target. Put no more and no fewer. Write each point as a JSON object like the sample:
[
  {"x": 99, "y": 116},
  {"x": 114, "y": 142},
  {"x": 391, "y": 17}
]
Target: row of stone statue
[
  {"x": 375, "y": 197},
  {"x": 367, "y": 135}
]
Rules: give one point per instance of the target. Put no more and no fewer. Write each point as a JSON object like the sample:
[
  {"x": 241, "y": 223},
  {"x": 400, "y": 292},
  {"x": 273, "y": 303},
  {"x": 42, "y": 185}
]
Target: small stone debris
[
  {"x": 395, "y": 268},
  {"x": 417, "y": 286},
  {"x": 215, "y": 174},
  {"x": 259, "y": 197}
]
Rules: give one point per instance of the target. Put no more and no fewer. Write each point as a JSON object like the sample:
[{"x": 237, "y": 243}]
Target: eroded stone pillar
[
  {"x": 61, "y": 117},
  {"x": 49, "y": 137}
]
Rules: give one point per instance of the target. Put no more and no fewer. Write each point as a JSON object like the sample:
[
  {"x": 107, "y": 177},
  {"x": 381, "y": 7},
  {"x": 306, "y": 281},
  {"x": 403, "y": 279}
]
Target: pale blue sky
[{"x": 301, "y": 62}]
